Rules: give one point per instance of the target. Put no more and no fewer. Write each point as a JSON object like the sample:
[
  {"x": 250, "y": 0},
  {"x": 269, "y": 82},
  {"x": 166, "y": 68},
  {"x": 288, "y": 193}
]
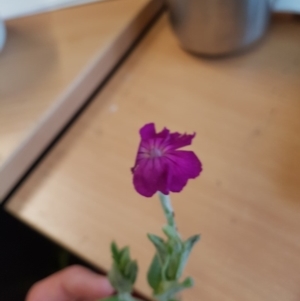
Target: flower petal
[
  {"x": 163, "y": 134},
  {"x": 159, "y": 165},
  {"x": 177, "y": 140},
  {"x": 148, "y": 131},
  {"x": 151, "y": 176},
  {"x": 184, "y": 165}
]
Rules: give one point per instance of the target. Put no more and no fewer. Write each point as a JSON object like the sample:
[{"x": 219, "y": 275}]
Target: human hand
[{"x": 74, "y": 283}]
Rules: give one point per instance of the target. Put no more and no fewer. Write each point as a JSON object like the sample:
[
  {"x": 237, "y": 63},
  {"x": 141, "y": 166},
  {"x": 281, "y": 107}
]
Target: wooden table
[
  {"x": 245, "y": 110},
  {"x": 50, "y": 65}
]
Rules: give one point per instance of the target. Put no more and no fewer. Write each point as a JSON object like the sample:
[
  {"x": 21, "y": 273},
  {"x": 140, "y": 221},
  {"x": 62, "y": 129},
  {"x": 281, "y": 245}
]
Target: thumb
[{"x": 70, "y": 284}]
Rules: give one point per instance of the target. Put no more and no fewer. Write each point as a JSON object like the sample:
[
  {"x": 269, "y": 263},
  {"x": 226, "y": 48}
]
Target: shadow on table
[{"x": 27, "y": 257}]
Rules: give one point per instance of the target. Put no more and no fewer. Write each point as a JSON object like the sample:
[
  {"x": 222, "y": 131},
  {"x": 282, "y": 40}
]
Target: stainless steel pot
[{"x": 218, "y": 27}]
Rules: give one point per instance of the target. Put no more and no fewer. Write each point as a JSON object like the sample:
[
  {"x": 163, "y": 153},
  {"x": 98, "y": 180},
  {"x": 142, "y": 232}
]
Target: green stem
[{"x": 168, "y": 210}]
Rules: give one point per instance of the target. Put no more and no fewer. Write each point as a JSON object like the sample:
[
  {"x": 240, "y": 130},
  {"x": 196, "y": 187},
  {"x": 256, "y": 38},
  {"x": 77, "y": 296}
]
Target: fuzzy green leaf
[
  {"x": 171, "y": 232},
  {"x": 131, "y": 271},
  {"x": 124, "y": 258},
  {"x": 124, "y": 270},
  {"x": 188, "y": 246},
  {"x": 189, "y": 243},
  {"x": 172, "y": 268},
  {"x": 160, "y": 246},
  {"x": 155, "y": 274},
  {"x": 118, "y": 281},
  {"x": 174, "y": 289},
  {"x": 115, "y": 252}
]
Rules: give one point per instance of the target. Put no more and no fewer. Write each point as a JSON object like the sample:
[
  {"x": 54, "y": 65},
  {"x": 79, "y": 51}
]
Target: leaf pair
[
  {"x": 169, "y": 262},
  {"x": 124, "y": 270},
  {"x": 174, "y": 289}
]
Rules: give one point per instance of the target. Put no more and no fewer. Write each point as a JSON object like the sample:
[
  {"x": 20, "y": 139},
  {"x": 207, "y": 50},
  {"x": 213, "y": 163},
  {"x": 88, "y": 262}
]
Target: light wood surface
[
  {"x": 245, "y": 110},
  {"x": 64, "y": 107},
  {"x": 45, "y": 53}
]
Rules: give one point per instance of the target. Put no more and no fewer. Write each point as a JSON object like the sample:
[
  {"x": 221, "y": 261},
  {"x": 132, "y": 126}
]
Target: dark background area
[{"x": 26, "y": 257}]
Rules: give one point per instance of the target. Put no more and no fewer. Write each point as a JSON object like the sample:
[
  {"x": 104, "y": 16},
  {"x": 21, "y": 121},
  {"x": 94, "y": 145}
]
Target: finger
[{"x": 70, "y": 284}]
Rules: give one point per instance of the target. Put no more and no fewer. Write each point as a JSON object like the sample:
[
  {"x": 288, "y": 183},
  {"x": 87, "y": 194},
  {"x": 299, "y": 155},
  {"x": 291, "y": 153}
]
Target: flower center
[{"x": 155, "y": 152}]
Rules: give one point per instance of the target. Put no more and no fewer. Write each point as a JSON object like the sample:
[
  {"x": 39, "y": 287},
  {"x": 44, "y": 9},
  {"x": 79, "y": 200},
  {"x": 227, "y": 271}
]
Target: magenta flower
[{"x": 160, "y": 165}]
